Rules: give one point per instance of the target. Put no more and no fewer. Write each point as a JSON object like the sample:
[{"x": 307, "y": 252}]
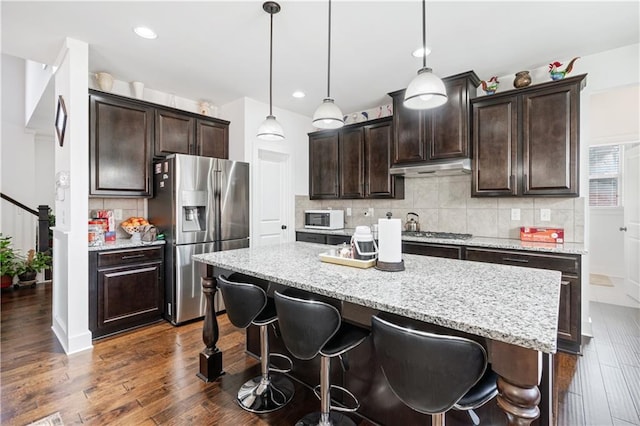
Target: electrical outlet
[
  {"x": 348, "y": 211},
  {"x": 545, "y": 215},
  {"x": 515, "y": 214},
  {"x": 117, "y": 213},
  {"x": 366, "y": 212}
]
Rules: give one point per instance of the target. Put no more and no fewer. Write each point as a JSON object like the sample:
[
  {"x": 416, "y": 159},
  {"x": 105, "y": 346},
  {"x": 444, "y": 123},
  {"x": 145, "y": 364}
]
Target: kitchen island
[{"x": 514, "y": 309}]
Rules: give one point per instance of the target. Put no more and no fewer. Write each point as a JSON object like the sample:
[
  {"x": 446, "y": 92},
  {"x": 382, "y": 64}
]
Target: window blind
[{"x": 604, "y": 173}]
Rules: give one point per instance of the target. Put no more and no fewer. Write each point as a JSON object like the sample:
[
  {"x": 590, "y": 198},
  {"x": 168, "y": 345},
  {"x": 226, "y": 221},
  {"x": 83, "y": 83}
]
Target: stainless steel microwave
[{"x": 324, "y": 219}]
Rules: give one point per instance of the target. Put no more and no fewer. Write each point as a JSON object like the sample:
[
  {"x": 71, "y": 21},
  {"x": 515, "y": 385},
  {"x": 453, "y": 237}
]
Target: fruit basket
[{"x": 134, "y": 226}]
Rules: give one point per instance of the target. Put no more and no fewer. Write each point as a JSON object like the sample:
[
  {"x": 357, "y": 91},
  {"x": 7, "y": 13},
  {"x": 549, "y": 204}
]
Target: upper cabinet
[
  {"x": 434, "y": 134},
  {"x": 120, "y": 146},
  {"x": 525, "y": 141},
  {"x": 212, "y": 138},
  {"x": 323, "y": 165},
  {"x": 353, "y": 162},
  {"x": 180, "y": 132},
  {"x": 175, "y": 133},
  {"x": 125, "y": 134}
]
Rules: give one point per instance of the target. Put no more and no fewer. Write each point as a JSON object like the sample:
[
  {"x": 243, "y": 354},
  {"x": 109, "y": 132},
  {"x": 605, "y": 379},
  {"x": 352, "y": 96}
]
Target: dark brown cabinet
[
  {"x": 212, "y": 138},
  {"x": 125, "y": 134},
  {"x": 323, "y": 165},
  {"x": 311, "y": 237},
  {"x": 495, "y": 120},
  {"x": 174, "y": 133},
  {"x": 570, "y": 310},
  {"x": 126, "y": 289},
  {"x": 437, "y": 134},
  {"x": 120, "y": 147},
  {"x": 353, "y": 162},
  {"x": 526, "y": 142},
  {"x": 351, "y": 154},
  {"x": 180, "y": 132},
  {"x": 434, "y": 250}
]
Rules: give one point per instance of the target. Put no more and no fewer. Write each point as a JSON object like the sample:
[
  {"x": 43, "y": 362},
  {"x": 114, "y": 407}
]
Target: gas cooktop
[{"x": 433, "y": 234}]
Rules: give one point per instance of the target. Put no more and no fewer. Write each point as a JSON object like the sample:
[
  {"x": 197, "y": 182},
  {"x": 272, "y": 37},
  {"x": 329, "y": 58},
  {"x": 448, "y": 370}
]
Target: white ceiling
[{"x": 219, "y": 50}]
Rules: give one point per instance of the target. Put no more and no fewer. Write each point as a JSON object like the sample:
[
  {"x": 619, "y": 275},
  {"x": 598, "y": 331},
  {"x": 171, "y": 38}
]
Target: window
[{"x": 604, "y": 176}]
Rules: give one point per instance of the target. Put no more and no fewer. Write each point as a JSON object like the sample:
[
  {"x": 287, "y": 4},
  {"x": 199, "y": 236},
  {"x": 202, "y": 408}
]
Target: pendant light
[
  {"x": 328, "y": 115},
  {"x": 426, "y": 90},
  {"x": 270, "y": 129}
]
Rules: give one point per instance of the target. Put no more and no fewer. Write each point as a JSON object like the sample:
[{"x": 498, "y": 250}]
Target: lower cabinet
[
  {"x": 434, "y": 250},
  {"x": 570, "y": 311},
  {"x": 332, "y": 240},
  {"x": 126, "y": 289}
]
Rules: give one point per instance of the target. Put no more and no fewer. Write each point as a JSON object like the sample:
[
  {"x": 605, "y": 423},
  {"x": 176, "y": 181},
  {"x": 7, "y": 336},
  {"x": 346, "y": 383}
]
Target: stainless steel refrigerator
[{"x": 201, "y": 205}]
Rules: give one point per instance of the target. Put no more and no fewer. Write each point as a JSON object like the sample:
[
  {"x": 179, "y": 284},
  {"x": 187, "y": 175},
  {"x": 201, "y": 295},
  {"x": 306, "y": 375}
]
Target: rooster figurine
[
  {"x": 490, "y": 86},
  {"x": 557, "y": 74}
]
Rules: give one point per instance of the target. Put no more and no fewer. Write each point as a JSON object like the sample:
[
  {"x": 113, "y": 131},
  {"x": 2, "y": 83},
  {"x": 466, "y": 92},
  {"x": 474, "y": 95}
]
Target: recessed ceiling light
[
  {"x": 145, "y": 32},
  {"x": 298, "y": 94},
  {"x": 418, "y": 52}
]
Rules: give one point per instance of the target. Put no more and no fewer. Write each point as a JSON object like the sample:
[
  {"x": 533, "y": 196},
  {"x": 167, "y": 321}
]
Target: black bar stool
[
  {"x": 432, "y": 373},
  {"x": 311, "y": 327},
  {"x": 247, "y": 303}
]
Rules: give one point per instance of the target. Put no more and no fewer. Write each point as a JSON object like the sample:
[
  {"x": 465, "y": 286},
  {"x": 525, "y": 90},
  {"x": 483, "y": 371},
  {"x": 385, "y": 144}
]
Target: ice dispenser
[{"x": 194, "y": 206}]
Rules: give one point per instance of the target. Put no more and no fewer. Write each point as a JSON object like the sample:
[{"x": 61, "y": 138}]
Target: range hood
[{"x": 458, "y": 166}]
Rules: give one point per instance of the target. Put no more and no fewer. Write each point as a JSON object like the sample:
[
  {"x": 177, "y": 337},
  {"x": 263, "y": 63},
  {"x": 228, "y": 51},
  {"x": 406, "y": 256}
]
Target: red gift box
[{"x": 542, "y": 235}]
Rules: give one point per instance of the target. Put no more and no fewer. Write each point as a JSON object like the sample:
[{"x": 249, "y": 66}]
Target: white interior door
[
  {"x": 272, "y": 183},
  {"x": 631, "y": 227}
]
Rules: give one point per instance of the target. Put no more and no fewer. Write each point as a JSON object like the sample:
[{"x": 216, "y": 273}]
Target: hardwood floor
[
  {"x": 602, "y": 387},
  {"x": 147, "y": 377}
]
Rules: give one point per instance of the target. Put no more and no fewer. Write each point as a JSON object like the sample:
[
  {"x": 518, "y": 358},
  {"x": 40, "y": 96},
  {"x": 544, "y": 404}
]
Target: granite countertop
[
  {"x": 125, "y": 243},
  {"x": 506, "y": 303},
  {"x": 498, "y": 243}
]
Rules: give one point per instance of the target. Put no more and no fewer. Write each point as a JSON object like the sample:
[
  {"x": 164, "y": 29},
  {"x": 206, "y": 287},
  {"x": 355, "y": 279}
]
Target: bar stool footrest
[
  {"x": 264, "y": 395},
  {"x": 280, "y": 370},
  {"x": 337, "y": 406}
]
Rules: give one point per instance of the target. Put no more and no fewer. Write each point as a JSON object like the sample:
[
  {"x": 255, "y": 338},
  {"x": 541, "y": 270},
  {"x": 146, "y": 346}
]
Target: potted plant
[
  {"x": 7, "y": 261},
  {"x": 28, "y": 267}
]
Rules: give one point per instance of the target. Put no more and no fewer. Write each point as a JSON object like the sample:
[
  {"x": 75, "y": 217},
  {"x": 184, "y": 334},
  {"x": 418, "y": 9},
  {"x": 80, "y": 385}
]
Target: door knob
[
  {"x": 623, "y": 228},
  {"x": 283, "y": 227}
]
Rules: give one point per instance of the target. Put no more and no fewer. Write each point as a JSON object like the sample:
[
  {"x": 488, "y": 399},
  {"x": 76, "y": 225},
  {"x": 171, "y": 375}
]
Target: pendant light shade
[
  {"x": 328, "y": 115},
  {"x": 270, "y": 129},
  {"x": 426, "y": 90}
]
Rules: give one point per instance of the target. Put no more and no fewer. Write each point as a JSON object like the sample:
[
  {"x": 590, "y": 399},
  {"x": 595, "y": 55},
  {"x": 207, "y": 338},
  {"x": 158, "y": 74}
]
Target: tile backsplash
[
  {"x": 131, "y": 207},
  {"x": 445, "y": 204}
]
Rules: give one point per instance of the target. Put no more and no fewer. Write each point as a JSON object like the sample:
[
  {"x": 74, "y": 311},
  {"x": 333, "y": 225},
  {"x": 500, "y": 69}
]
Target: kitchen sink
[{"x": 434, "y": 234}]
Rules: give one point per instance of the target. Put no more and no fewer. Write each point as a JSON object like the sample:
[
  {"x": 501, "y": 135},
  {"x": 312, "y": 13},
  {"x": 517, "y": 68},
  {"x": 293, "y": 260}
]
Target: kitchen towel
[{"x": 390, "y": 240}]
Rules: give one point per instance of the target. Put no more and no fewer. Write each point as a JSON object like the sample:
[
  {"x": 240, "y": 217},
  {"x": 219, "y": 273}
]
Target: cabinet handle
[
  {"x": 132, "y": 256},
  {"x": 565, "y": 282},
  {"x": 513, "y": 259}
]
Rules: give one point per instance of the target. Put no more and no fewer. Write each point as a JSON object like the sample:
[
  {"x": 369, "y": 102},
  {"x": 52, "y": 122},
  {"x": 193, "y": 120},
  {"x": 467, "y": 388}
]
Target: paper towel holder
[{"x": 390, "y": 266}]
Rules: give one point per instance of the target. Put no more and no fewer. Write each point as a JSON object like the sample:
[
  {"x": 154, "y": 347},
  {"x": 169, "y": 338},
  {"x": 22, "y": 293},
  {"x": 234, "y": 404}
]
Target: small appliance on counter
[
  {"x": 363, "y": 245},
  {"x": 324, "y": 219}
]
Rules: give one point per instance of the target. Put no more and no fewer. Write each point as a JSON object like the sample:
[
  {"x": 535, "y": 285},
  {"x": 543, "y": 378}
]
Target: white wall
[
  {"x": 70, "y": 313},
  {"x": 234, "y": 112},
  {"x": 37, "y": 80},
  {"x": 17, "y": 150},
  {"x": 613, "y": 120},
  {"x": 246, "y": 115}
]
